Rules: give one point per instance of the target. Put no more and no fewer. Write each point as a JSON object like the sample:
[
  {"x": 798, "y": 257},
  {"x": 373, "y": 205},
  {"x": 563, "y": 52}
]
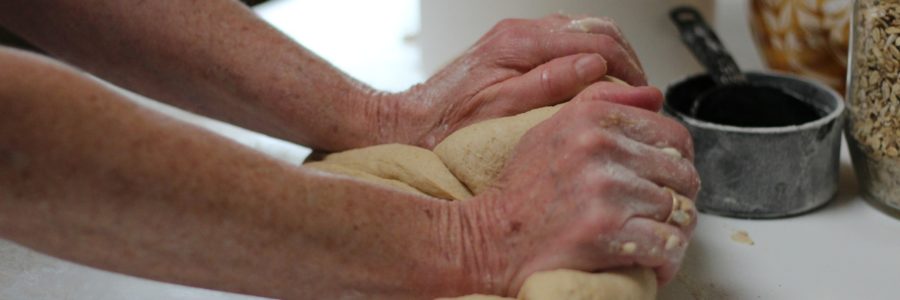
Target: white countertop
[{"x": 845, "y": 250}]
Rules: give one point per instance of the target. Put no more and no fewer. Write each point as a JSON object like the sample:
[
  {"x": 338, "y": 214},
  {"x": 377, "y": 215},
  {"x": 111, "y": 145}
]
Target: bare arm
[
  {"x": 216, "y": 58},
  {"x": 90, "y": 177}
]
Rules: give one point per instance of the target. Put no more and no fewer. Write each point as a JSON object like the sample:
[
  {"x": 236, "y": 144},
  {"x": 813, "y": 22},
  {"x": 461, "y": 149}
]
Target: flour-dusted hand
[
  {"x": 89, "y": 176},
  {"x": 517, "y": 66},
  {"x": 586, "y": 190}
]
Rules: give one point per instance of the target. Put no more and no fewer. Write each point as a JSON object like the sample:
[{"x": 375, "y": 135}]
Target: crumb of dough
[
  {"x": 629, "y": 248},
  {"x": 672, "y": 241},
  {"x": 741, "y": 236},
  {"x": 671, "y": 151}
]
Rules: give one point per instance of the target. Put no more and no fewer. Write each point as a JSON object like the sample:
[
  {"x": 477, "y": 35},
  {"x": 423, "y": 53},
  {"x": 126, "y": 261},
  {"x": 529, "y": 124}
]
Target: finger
[
  {"x": 553, "y": 82},
  {"x": 639, "y": 242},
  {"x": 651, "y": 146},
  {"x": 649, "y": 243},
  {"x": 637, "y": 124},
  {"x": 605, "y": 26},
  {"x": 547, "y": 42},
  {"x": 646, "y": 97},
  {"x": 664, "y": 167},
  {"x": 629, "y": 193},
  {"x": 619, "y": 62},
  {"x": 587, "y": 24}
]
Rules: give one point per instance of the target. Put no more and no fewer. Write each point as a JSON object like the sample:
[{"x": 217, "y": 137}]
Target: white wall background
[{"x": 448, "y": 27}]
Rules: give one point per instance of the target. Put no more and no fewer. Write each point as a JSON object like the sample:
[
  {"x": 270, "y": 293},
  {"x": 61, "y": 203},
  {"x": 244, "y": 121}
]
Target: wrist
[
  {"x": 353, "y": 119},
  {"x": 398, "y": 117},
  {"x": 366, "y": 107},
  {"x": 484, "y": 263},
  {"x": 457, "y": 256}
]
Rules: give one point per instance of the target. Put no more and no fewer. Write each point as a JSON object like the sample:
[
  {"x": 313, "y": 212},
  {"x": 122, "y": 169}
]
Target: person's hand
[
  {"x": 587, "y": 189},
  {"x": 517, "y": 66}
]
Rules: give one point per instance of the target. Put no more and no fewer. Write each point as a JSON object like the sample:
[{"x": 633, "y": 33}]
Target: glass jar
[{"x": 873, "y": 99}]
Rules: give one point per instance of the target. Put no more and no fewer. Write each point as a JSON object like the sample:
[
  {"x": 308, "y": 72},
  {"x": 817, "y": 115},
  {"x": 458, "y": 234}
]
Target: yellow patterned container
[{"x": 805, "y": 37}]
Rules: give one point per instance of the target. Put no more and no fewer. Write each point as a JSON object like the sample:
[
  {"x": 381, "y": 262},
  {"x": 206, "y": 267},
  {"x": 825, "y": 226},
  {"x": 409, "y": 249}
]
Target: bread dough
[
  {"x": 415, "y": 167},
  {"x": 629, "y": 284},
  {"x": 335, "y": 168},
  {"x": 469, "y": 160},
  {"x": 476, "y": 154}
]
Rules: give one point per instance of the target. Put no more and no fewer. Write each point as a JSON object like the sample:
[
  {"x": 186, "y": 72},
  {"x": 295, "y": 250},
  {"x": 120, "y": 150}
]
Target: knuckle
[
  {"x": 547, "y": 82},
  {"x": 612, "y": 22},
  {"x": 594, "y": 140},
  {"x": 683, "y": 135},
  {"x": 606, "y": 40},
  {"x": 601, "y": 182},
  {"x": 513, "y": 39},
  {"x": 694, "y": 183},
  {"x": 585, "y": 139},
  {"x": 500, "y": 26},
  {"x": 610, "y": 27},
  {"x": 687, "y": 177},
  {"x": 688, "y": 183},
  {"x": 507, "y": 23},
  {"x": 689, "y": 145},
  {"x": 505, "y": 31},
  {"x": 552, "y": 86},
  {"x": 596, "y": 110},
  {"x": 680, "y": 136},
  {"x": 517, "y": 33},
  {"x": 556, "y": 16}
]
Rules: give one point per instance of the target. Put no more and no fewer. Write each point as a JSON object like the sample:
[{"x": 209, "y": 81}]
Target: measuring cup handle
[{"x": 706, "y": 46}]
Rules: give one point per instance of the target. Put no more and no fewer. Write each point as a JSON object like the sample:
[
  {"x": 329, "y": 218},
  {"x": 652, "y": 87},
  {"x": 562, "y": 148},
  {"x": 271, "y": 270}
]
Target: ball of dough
[{"x": 463, "y": 165}]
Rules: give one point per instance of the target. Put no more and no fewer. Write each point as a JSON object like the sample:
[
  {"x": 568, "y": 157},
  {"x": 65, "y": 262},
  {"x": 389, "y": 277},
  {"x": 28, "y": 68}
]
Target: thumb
[{"x": 551, "y": 83}]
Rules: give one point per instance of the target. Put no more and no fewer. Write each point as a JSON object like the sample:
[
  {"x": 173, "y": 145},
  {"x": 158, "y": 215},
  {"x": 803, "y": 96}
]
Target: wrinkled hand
[
  {"x": 517, "y": 66},
  {"x": 585, "y": 190}
]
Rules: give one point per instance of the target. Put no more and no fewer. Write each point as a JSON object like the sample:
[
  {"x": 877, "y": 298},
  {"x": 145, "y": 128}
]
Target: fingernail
[
  {"x": 578, "y": 26},
  {"x": 590, "y": 67},
  {"x": 672, "y": 242},
  {"x": 588, "y": 24}
]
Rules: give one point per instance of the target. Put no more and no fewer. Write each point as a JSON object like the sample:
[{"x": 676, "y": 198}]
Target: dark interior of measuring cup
[{"x": 753, "y": 105}]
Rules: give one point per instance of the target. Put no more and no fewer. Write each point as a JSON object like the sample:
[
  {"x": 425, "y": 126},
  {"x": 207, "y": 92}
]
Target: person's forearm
[
  {"x": 214, "y": 57},
  {"x": 90, "y": 177}
]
